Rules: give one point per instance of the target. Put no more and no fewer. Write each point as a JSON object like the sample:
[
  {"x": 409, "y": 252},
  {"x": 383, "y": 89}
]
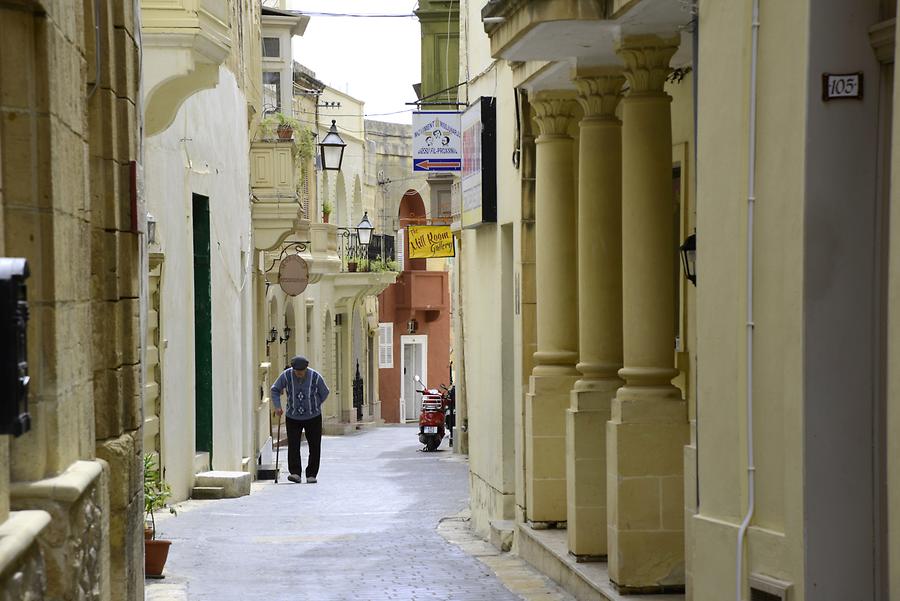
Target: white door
[{"x": 415, "y": 351}]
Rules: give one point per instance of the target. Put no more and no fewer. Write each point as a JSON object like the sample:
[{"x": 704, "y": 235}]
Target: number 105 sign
[{"x": 838, "y": 86}]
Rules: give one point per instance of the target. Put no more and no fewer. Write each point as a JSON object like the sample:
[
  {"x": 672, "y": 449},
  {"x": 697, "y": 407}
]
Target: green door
[{"x": 202, "y": 326}]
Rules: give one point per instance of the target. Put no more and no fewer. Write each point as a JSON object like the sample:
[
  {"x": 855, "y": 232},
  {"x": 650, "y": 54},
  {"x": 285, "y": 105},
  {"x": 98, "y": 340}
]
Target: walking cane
[{"x": 278, "y": 452}]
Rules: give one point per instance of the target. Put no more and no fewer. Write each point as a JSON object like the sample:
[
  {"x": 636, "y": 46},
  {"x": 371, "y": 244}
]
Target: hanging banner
[
  {"x": 430, "y": 241},
  {"x": 436, "y": 141}
]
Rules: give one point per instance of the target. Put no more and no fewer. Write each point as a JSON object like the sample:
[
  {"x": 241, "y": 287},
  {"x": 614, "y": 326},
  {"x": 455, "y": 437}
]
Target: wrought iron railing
[{"x": 378, "y": 255}]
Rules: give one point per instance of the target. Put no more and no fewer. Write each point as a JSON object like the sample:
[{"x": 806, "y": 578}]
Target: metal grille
[{"x": 381, "y": 247}]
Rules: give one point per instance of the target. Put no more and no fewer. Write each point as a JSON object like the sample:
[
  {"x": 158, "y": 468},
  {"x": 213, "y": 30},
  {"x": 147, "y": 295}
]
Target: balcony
[
  {"x": 275, "y": 208},
  {"x": 183, "y": 42},
  {"x": 572, "y": 34},
  {"x": 318, "y": 242},
  {"x": 422, "y": 291}
]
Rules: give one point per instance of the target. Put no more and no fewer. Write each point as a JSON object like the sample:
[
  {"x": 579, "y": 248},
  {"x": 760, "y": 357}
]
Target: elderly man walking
[{"x": 306, "y": 391}]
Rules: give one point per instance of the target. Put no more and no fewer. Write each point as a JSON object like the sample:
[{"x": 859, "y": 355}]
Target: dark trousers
[{"x": 313, "y": 429}]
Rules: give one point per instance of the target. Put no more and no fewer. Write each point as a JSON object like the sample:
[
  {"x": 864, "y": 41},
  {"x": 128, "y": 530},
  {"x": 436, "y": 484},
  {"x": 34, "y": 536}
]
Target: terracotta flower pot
[
  {"x": 351, "y": 267},
  {"x": 155, "y": 554},
  {"x": 285, "y": 132},
  {"x": 325, "y": 217}
]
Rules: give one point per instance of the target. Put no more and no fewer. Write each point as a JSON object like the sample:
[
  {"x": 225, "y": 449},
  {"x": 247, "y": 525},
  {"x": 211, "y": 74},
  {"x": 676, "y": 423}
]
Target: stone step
[
  {"x": 207, "y": 492},
  {"x": 201, "y": 462},
  {"x": 236, "y": 484},
  {"x": 502, "y": 533},
  {"x": 266, "y": 472}
]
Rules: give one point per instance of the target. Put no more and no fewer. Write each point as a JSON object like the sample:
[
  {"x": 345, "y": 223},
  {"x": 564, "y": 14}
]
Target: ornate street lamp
[
  {"x": 332, "y": 149},
  {"x": 689, "y": 258},
  {"x": 287, "y": 334},
  {"x": 364, "y": 230}
]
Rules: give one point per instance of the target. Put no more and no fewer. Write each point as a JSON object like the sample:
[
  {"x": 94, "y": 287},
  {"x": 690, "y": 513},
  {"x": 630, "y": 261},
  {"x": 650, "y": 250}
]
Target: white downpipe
[{"x": 751, "y": 200}]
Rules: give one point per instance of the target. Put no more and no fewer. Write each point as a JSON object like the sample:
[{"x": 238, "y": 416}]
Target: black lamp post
[
  {"x": 332, "y": 149},
  {"x": 364, "y": 230},
  {"x": 689, "y": 258}
]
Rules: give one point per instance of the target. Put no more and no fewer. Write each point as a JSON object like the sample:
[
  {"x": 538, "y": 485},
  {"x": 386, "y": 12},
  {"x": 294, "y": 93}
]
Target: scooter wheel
[{"x": 432, "y": 444}]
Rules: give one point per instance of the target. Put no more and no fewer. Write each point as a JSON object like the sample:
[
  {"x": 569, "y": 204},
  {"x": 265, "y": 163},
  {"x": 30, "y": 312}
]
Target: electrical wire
[{"x": 359, "y": 15}]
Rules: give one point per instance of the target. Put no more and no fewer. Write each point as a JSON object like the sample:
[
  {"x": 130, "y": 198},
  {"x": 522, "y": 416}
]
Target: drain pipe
[{"x": 751, "y": 200}]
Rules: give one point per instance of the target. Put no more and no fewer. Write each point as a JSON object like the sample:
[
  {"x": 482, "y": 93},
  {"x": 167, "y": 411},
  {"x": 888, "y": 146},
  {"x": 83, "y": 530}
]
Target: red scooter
[{"x": 431, "y": 417}]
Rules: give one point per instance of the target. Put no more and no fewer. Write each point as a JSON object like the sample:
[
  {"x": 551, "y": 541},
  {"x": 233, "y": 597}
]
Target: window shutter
[
  {"x": 400, "y": 246},
  {"x": 385, "y": 345}
]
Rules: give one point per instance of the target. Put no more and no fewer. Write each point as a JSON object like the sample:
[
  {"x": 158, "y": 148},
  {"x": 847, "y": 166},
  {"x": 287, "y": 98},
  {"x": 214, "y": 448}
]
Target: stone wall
[{"x": 68, "y": 146}]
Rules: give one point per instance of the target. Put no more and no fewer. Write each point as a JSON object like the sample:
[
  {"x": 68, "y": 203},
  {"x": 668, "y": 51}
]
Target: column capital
[
  {"x": 553, "y": 111},
  {"x": 599, "y": 92},
  {"x": 646, "y": 59}
]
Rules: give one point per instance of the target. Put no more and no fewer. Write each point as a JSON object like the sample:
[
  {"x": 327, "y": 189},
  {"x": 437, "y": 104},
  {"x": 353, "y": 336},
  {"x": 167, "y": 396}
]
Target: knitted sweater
[{"x": 304, "y": 395}]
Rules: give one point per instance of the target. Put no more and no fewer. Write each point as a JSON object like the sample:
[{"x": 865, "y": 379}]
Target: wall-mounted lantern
[
  {"x": 332, "y": 149},
  {"x": 411, "y": 326},
  {"x": 287, "y": 334},
  {"x": 689, "y": 258},
  {"x": 151, "y": 229},
  {"x": 272, "y": 337}
]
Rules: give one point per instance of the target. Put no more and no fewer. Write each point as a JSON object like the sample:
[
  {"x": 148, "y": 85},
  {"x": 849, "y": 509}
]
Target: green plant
[
  {"x": 303, "y": 149},
  {"x": 285, "y": 121},
  {"x": 327, "y": 208},
  {"x": 378, "y": 265},
  {"x": 270, "y": 124},
  {"x": 362, "y": 264},
  {"x": 156, "y": 492}
]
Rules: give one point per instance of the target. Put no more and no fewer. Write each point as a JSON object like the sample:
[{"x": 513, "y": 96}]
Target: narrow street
[{"x": 368, "y": 530}]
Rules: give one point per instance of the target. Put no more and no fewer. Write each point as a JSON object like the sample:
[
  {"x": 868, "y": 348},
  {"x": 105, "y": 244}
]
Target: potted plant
[
  {"x": 326, "y": 211},
  {"x": 156, "y": 494},
  {"x": 279, "y": 124},
  {"x": 286, "y": 126}
]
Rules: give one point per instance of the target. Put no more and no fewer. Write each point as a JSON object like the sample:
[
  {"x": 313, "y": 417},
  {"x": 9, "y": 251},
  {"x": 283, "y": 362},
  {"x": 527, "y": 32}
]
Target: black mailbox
[{"x": 14, "y": 418}]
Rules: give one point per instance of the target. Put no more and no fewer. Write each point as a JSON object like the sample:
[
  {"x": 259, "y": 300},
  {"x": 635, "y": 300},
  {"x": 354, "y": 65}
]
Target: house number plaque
[{"x": 840, "y": 86}]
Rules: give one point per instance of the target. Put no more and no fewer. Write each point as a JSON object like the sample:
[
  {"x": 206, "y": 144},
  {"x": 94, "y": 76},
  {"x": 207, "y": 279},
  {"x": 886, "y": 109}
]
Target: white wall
[
  {"x": 493, "y": 389},
  {"x": 204, "y": 152}
]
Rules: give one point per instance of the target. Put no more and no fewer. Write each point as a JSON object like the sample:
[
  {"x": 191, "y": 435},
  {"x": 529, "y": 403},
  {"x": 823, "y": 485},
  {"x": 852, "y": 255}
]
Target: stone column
[
  {"x": 554, "y": 370},
  {"x": 648, "y": 427},
  {"x": 599, "y": 309}
]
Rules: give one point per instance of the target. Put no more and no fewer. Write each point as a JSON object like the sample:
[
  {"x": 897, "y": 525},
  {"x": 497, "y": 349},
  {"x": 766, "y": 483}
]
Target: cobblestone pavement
[{"x": 370, "y": 530}]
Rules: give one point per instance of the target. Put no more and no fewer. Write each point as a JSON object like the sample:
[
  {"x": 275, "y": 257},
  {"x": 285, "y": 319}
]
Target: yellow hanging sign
[{"x": 430, "y": 241}]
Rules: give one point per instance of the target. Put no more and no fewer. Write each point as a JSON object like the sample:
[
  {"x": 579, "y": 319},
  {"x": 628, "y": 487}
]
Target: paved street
[{"x": 368, "y": 530}]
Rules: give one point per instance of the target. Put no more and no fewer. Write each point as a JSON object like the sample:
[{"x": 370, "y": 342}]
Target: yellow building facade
[
  {"x": 622, "y": 422},
  {"x": 70, "y": 495}
]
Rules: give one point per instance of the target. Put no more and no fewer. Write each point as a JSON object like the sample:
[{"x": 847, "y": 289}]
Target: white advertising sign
[{"x": 437, "y": 144}]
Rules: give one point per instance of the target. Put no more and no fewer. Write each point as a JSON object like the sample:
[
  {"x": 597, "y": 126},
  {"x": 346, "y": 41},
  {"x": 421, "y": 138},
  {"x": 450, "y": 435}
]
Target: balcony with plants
[{"x": 366, "y": 269}]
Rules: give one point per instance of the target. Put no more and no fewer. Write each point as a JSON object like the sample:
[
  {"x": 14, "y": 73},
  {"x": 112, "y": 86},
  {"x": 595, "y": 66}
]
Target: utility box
[{"x": 14, "y": 418}]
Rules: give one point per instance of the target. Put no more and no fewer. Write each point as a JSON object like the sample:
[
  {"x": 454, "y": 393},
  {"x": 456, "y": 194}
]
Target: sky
[{"x": 376, "y": 60}]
